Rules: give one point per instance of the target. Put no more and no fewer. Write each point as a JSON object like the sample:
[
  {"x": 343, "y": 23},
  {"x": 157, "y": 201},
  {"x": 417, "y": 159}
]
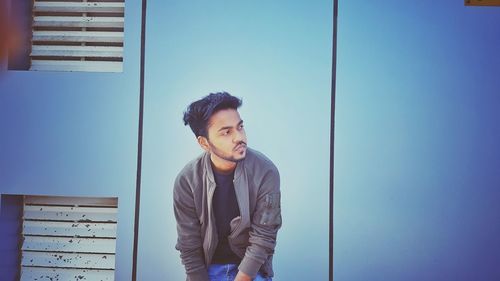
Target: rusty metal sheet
[{"x": 482, "y": 2}]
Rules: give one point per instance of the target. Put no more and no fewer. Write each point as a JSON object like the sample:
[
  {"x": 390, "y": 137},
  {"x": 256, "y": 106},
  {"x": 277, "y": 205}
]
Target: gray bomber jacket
[{"x": 253, "y": 233}]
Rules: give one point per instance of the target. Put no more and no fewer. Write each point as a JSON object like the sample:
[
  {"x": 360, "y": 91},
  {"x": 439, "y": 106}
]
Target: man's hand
[{"x": 242, "y": 277}]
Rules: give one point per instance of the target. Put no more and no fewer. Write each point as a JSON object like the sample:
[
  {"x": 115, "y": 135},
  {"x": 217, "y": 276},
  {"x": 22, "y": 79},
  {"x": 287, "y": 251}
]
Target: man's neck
[{"x": 222, "y": 166}]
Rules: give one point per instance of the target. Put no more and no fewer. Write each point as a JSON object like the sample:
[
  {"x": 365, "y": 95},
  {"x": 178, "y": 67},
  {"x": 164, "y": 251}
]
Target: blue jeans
[{"x": 227, "y": 272}]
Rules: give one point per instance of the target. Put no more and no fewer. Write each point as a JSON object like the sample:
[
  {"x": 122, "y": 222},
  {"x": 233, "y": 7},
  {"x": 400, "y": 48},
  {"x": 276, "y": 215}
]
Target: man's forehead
[{"x": 225, "y": 117}]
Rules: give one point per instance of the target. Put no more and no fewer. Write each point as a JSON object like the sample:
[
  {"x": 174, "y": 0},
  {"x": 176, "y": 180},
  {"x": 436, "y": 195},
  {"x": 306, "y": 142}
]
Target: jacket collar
[{"x": 210, "y": 173}]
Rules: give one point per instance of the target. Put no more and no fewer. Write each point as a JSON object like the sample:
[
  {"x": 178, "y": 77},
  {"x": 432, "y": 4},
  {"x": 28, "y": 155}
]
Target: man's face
[{"x": 227, "y": 140}]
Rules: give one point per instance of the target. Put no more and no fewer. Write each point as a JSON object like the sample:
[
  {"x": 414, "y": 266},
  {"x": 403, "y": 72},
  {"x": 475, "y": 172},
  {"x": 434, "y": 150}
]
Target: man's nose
[{"x": 239, "y": 136}]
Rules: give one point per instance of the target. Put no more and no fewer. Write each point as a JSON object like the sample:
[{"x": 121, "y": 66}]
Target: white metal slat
[
  {"x": 84, "y": 229},
  {"x": 83, "y": 254},
  {"x": 69, "y": 244},
  {"x": 63, "y": 274},
  {"x": 77, "y": 51},
  {"x": 89, "y": 7},
  {"x": 50, "y": 45},
  {"x": 94, "y": 66},
  {"x": 53, "y": 21},
  {"x": 78, "y": 36},
  {"x": 70, "y": 213},
  {"x": 71, "y": 201},
  {"x": 68, "y": 260}
]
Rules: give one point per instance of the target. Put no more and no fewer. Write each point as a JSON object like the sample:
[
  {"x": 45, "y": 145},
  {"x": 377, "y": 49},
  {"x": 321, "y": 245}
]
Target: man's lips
[{"x": 240, "y": 146}]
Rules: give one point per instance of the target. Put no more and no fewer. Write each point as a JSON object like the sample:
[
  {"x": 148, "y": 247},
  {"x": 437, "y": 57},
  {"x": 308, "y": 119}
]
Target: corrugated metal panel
[
  {"x": 68, "y": 238},
  {"x": 78, "y": 35}
]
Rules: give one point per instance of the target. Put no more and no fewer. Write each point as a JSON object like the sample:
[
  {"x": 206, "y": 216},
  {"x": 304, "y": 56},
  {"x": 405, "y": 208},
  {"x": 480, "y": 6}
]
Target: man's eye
[
  {"x": 241, "y": 126},
  {"x": 225, "y": 133}
]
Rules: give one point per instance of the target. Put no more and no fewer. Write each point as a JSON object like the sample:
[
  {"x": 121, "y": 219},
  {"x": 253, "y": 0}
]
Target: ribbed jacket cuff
[
  {"x": 199, "y": 275},
  {"x": 249, "y": 266}
]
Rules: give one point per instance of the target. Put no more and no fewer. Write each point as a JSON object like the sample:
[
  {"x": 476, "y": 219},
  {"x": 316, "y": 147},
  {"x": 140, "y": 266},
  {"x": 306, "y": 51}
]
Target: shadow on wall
[{"x": 10, "y": 236}]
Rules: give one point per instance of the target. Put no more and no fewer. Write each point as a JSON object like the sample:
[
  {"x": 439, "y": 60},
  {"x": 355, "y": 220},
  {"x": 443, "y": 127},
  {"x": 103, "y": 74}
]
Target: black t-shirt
[{"x": 225, "y": 206}]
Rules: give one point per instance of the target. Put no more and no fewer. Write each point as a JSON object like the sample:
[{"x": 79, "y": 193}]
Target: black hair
[{"x": 198, "y": 112}]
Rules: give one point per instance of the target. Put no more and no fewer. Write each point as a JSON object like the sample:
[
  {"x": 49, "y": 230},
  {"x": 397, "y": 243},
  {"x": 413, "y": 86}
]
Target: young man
[{"x": 226, "y": 201}]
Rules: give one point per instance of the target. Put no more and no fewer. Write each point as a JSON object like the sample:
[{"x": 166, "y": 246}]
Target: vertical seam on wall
[
  {"x": 332, "y": 135},
  {"x": 139, "y": 142}
]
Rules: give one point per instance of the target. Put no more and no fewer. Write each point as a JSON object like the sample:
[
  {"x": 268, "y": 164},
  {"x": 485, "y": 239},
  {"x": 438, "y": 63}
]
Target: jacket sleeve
[
  {"x": 265, "y": 224},
  {"x": 189, "y": 241}
]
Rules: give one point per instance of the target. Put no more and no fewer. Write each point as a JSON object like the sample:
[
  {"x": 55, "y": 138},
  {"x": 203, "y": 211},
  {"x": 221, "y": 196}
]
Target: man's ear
[{"x": 203, "y": 142}]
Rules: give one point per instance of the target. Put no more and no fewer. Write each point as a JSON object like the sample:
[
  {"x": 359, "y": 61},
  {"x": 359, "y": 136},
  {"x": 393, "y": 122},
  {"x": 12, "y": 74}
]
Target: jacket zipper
[
  {"x": 238, "y": 199},
  {"x": 211, "y": 191}
]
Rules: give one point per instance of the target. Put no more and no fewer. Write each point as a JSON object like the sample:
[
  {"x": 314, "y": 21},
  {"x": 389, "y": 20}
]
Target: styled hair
[{"x": 198, "y": 112}]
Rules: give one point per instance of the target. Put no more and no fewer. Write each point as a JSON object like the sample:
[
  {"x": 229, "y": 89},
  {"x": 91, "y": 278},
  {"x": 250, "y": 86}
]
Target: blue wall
[
  {"x": 276, "y": 55},
  {"x": 417, "y": 166},
  {"x": 75, "y": 134}
]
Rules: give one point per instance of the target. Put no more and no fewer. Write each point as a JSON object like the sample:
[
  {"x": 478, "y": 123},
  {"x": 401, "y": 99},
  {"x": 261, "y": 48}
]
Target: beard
[{"x": 228, "y": 157}]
